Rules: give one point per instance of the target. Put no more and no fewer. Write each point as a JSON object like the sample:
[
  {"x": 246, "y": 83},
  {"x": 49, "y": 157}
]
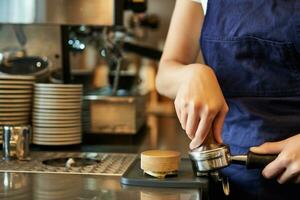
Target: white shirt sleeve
[{"x": 203, "y": 2}]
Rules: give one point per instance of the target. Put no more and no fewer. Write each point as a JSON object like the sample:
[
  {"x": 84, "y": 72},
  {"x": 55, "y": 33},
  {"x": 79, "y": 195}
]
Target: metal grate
[{"x": 110, "y": 164}]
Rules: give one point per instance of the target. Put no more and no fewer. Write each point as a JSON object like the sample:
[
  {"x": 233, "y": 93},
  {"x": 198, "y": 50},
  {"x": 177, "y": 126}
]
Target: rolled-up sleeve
[{"x": 204, "y": 4}]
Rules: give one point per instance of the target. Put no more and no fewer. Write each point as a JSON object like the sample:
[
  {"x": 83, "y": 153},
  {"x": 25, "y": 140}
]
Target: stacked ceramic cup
[
  {"x": 15, "y": 100},
  {"x": 57, "y": 114}
]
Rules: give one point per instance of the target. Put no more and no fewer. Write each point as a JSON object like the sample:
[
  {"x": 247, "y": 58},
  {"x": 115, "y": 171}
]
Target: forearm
[
  {"x": 169, "y": 77},
  {"x": 181, "y": 47},
  {"x": 172, "y": 73}
]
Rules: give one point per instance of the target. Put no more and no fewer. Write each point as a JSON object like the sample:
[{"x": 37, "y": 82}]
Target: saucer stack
[
  {"x": 15, "y": 100},
  {"x": 56, "y": 114}
]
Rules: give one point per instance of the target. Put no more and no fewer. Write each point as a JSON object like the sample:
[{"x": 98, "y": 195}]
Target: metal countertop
[{"x": 161, "y": 132}]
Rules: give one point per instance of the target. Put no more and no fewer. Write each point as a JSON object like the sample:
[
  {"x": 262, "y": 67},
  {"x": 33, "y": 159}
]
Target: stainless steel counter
[
  {"x": 81, "y": 187},
  {"x": 162, "y": 132}
]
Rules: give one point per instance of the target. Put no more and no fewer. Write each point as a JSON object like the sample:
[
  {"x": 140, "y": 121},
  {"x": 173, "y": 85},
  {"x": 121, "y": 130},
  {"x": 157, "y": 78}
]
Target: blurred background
[
  {"x": 111, "y": 48},
  {"x": 145, "y": 29}
]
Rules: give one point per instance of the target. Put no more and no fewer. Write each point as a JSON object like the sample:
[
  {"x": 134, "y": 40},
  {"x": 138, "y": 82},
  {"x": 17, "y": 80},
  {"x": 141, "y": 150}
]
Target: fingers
[
  {"x": 275, "y": 168},
  {"x": 181, "y": 114},
  {"x": 291, "y": 173},
  {"x": 192, "y": 123},
  {"x": 269, "y": 147},
  {"x": 177, "y": 109},
  {"x": 286, "y": 167},
  {"x": 183, "y": 119},
  {"x": 202, "y": 130},
  {"x": 198, "y": 120},
  {"x": 296, "y": 179},
  {"x": 218, "y": 125}
]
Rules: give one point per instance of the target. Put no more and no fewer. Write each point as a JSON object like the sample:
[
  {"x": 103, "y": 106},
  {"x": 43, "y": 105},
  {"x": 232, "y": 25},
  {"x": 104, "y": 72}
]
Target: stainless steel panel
[
  {"x": 59, "y": 12},
  {"x": 21, "y": 186},
  {"x": 110, "y": 164}
]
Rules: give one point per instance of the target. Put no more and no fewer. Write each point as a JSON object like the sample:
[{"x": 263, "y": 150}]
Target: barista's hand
[
  {"x": 200, "y": 104},
  {"x": 286, "y": 167}
]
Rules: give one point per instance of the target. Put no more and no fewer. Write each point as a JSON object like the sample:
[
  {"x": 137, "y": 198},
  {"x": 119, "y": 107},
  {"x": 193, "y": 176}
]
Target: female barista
[{"x": 249, "y": 86}]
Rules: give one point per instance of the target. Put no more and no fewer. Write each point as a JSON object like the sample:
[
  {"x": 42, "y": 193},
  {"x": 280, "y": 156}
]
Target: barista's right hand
[{"x": 200, "y": 104}]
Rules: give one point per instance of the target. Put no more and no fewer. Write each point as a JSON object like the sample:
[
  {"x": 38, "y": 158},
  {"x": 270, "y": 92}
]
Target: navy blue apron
[{"x": 254, "y": 48}]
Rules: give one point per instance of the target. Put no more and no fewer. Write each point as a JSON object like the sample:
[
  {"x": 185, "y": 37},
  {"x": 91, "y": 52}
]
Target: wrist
[{"x": 198, "y": 70}]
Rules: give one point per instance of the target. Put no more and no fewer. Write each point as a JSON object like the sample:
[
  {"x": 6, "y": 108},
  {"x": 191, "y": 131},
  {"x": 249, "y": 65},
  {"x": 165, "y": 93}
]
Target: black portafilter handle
[
  {"x": 259, "y": 161},
  {"x": 253, "y": 160}
]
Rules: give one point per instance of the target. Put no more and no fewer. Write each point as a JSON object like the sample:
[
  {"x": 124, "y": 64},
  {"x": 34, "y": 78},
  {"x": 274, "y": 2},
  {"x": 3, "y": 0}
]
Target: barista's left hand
[{"x": 286, "y": 167}]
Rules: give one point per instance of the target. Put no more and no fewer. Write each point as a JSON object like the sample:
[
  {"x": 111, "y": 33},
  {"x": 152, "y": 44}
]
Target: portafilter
[
  {"x": 211, "y": 156},
  {"x": 208, "y": 158}
]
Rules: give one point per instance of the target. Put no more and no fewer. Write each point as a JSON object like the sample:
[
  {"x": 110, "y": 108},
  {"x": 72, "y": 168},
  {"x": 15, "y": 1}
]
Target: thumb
[{"x": 269, "y": 147}]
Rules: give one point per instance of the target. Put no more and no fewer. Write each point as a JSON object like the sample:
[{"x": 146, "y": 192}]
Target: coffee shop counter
[{"x": 161, "y": 132}]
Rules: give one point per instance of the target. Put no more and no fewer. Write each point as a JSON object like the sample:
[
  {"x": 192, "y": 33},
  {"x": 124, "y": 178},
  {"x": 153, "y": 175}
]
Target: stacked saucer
[
  {"x": 15, "y": 100},
  {"x": 57, "y": 114}
]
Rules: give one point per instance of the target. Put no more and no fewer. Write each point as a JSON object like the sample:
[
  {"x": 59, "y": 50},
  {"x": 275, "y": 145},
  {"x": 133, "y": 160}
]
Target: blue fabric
[
  {"x": 253, "y": 43},
  {"x": 254, "y": 48}
]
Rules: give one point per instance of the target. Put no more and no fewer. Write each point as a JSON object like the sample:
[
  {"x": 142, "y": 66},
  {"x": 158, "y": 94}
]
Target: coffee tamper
[{"x": 208, "y": 158}]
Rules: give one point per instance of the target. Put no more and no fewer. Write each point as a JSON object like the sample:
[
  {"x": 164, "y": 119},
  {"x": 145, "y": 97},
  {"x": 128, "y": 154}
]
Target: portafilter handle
[{"x": 253, "y": 160}]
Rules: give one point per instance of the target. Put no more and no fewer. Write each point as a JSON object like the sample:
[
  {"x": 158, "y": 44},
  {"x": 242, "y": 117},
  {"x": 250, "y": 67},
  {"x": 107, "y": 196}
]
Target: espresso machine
[
  {"x": 102, "y": 111},
  {"x": 65, "y": 14}
]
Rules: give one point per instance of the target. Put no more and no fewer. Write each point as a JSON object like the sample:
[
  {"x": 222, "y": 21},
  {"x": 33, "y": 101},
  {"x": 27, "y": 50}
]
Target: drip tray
[
  {"x": 71, "y": 162},
  {"x": 110, "y": 164}
]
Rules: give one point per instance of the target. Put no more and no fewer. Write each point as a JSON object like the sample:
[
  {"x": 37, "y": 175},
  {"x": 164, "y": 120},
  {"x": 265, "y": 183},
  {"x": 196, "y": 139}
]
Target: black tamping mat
[{"x": 135, "y": 176}]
